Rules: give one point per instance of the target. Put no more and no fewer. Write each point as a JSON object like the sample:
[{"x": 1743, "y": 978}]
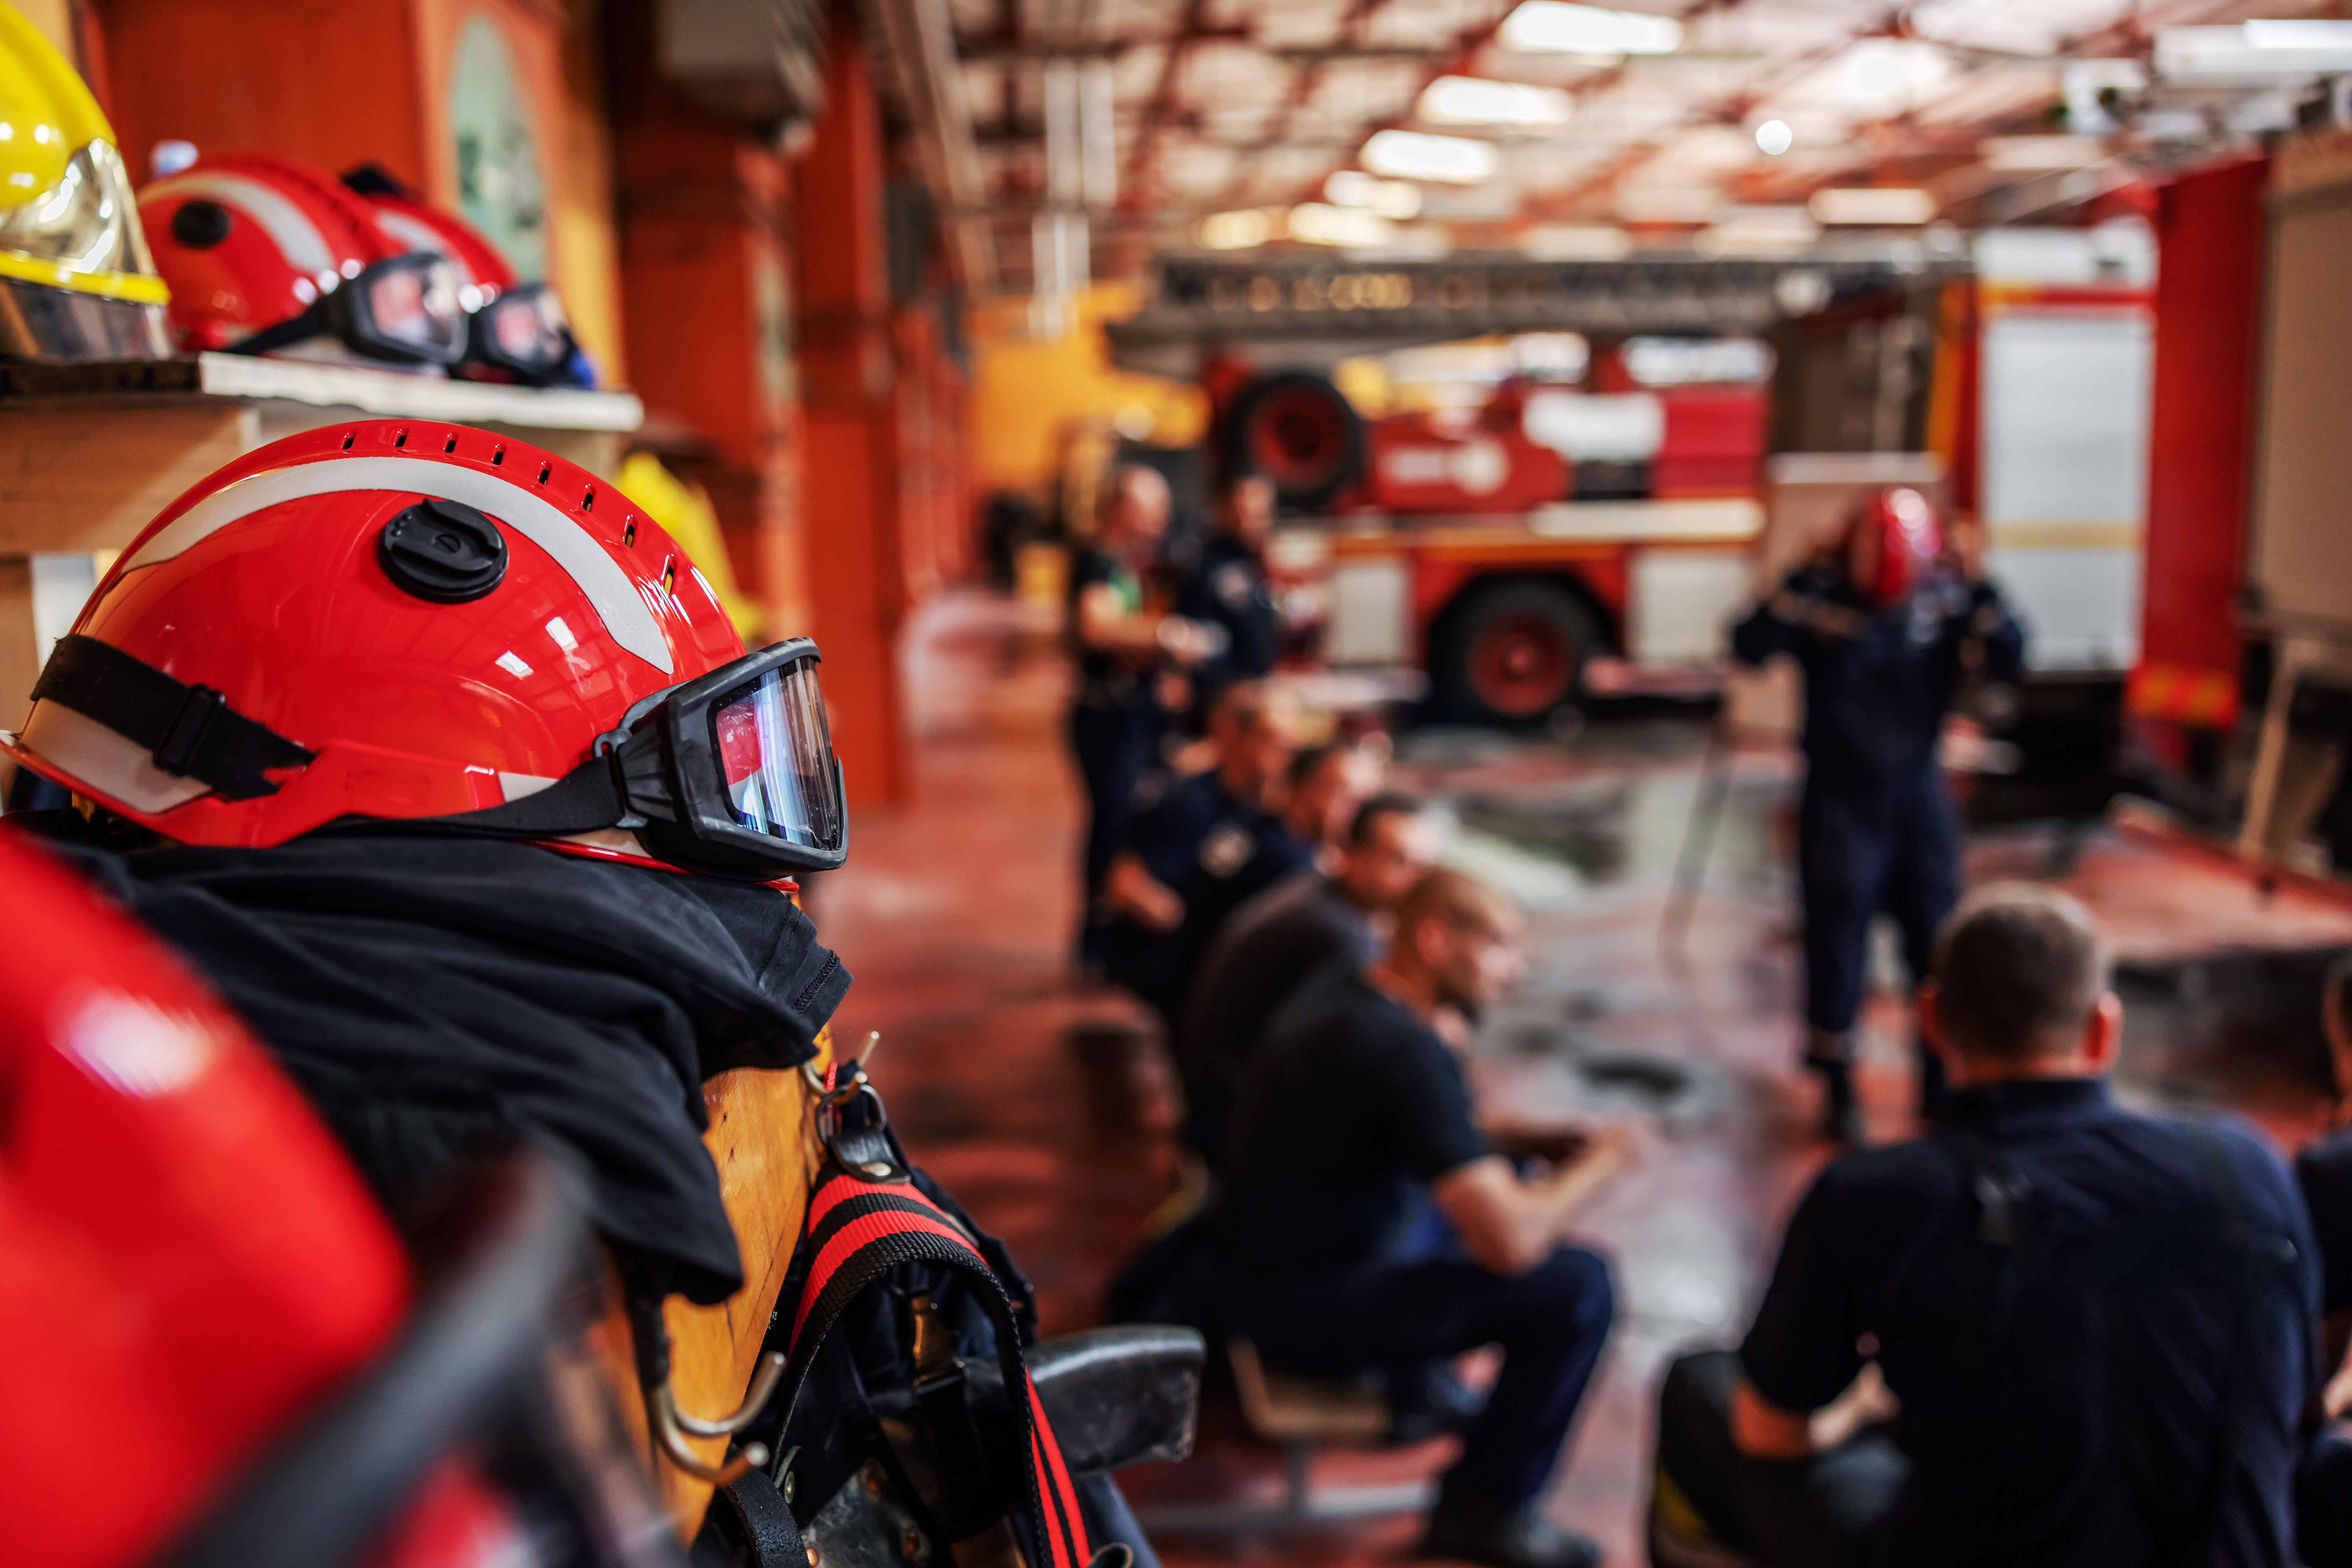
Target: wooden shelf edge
[{"x": 389, "y": 394}]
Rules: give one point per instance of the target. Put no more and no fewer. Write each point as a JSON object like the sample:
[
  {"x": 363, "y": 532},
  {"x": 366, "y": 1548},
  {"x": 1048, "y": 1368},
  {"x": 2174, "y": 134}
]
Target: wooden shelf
[{"x": 89, "y": 453}]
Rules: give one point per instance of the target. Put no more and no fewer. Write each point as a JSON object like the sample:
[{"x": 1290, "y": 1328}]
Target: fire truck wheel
[
  {"x": 1297, "y": 429},
  {"x": 1512, "y": 652}
]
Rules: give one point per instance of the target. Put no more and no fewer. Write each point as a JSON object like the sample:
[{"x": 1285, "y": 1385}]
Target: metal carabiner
[
  {"x": 672, "y": 1426},
  {"x": 845, "y": 1083}
]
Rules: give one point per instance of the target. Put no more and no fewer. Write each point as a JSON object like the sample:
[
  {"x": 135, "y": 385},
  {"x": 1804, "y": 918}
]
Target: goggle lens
[
  {"x": 413, "y": 301},
  {"x": 775, "y": 751}
]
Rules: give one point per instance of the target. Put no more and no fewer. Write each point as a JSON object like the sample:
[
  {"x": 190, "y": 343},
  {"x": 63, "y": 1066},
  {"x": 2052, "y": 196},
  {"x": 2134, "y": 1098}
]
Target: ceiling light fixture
[
  {"x": 1243, "y": 230},
  {"x": 2027, "y": 154},
  {"x": 2253, "y": 51},
  {"x": 1576, "y": 242},
  {"x": 1475, "y": 100},
  {"x": 1553, "y": 26},
  {"x": 1872, "y": 205},
  {"x": 1320, "y": 224},
  {"x": 1417, "y": 155},
  {"x": 1774, "y": 137},
  {"x": 1389, "y": 198}
]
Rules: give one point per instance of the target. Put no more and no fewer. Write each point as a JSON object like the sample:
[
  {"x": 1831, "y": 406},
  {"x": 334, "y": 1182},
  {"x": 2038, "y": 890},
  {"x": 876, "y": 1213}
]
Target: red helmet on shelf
[
  {"x": 266, "y": 254},
  {"x": 392, "y": 622},
  {"x": 190, "y": 1257},
  {"x": 515, "y": 329},
  {"x": 1893, "y": 541}
]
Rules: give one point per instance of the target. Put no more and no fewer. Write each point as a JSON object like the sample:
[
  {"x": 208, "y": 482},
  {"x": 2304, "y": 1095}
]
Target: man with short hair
[
  {"x": 1227, "y": 586},
  {"x": 1205, "y": 832},
  {"x": 1275, "y": 942},
  {"x": 1353, "y": 1107},
  {"x": 2092, "y": 1330}
]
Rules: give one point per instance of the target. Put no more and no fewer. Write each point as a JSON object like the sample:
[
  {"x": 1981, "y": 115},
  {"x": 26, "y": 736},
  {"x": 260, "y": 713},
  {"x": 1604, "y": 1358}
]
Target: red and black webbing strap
[{"x": 855, "y": 1230}]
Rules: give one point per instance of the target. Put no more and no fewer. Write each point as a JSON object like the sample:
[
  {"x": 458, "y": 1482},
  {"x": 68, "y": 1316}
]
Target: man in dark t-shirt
[
  {"x": 2323, "y": 1169},
  {"x": 1273, "y": 942},
  {"x": 2091, "y": 1330},
  {"x": 1354, "y": 1109},
  {"x": 1227, "y": 586}
]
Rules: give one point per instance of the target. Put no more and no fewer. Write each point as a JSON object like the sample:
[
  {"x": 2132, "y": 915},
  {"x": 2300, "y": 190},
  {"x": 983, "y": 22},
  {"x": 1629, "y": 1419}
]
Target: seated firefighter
[
  {"x": 1353, "y": 1116},
  {"x": 2067, "y": 1334},
  {"x": 1206, "y": 830},
  {"x": 1275, "y": 940}
]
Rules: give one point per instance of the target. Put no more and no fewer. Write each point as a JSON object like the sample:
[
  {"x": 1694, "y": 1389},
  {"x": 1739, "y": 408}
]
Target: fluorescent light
[
  {"x": 2253, "y": 51},
  {"x": 2025, "y": 154},
  {"x": 1774, "y": 137},
  {"x": 1668, "y": 203},
  {"x": 1417, "y": 155},
  {"x": 1576, "y": 242},
  {"x": 2305, "y": 34},
  {"x": 1552, "y": 26},
  {"x": 1389, "y": 198},
  {"x": 1872, "y": 205},
  {"x": 1321, "y": 224},
  {"x": 1760, "y": 231},
  {"x": 1475, "y": 100},
  {"x": 1242, "y": 230}
]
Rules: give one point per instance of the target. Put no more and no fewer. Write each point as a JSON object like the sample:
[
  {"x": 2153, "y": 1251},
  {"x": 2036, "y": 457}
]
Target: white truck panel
[
  {"x": 1372, "y": 613},
  {"x": 1681, "y": 603},
  {"x": 2065, "y": 428}
]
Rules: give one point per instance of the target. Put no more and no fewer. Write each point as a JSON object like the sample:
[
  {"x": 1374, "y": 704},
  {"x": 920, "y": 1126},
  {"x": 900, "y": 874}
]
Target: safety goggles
[
  {"x": 733, "y": 772},
  {"x": 402, "y": 308},
  {"x": 523, "y": 333}
]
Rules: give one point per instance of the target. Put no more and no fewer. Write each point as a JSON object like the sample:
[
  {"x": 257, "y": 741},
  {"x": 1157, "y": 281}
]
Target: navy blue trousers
[
  {"x": 1113, "y": 746},
  {"x": 1551, "y": 1322},
  {"x": 1863, "y": 849}
]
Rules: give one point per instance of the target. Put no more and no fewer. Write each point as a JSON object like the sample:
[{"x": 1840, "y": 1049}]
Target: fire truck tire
[
  {"x": 1295, "y": 428},
  {"x": 1512, "y": 652}
]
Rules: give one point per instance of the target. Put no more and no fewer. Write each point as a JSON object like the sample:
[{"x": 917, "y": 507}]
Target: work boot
[{"x": 1500, "y": 1535}]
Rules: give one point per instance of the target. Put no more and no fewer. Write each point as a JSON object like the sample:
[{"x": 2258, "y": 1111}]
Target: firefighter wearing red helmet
[{"x": 1885, "y": 623}]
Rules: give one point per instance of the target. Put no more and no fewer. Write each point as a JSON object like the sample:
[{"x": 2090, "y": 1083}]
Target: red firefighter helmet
[
  {"x": 515, "y": 329},
  {"x": 190, "y": 1259},
  {"x": 1893, "y": 541},
  {"x": 266, "y": 254},
  {"x": 389, "y": 621}
]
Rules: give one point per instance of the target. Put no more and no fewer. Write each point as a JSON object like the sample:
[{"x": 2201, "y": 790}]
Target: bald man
[
  {"x": 1120, "y": 646},
  {"x": 1351, "y": 1112}
]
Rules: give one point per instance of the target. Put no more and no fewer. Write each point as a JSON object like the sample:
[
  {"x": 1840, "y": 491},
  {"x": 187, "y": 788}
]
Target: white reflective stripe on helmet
[
  {"x": 297, "y": 237},
  {"x": 623, "y": 611}
]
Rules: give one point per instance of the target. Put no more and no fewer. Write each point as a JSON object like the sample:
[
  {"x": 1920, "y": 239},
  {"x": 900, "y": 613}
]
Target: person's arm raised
[{"x": 1507, "y": 1225}]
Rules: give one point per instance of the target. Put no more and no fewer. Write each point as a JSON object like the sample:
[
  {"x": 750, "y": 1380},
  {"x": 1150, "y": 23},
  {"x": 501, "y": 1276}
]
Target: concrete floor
[{"x": 1044, "y": 1107}]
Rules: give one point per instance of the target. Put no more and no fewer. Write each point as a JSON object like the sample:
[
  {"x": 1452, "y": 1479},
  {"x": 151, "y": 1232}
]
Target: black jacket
[{"x": 434, "y": 996}]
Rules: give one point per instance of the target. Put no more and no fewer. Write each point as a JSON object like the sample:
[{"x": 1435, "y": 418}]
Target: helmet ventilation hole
[
  {"x": 349, "y": 436},
  {"x": 497, "y": 457},
  {"x": 545, "y": 469},
  {"x": 400, "y": 438},
  {"x": 669, "y": 574},
  {"x": 629, "y": 533},
  {"x": 588, "y": 498},
  {"x": 450, "y": 445}
]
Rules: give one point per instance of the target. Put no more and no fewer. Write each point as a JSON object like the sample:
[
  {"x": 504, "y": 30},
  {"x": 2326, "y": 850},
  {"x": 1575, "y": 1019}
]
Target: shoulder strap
[{"x": 856, "y": 1229}]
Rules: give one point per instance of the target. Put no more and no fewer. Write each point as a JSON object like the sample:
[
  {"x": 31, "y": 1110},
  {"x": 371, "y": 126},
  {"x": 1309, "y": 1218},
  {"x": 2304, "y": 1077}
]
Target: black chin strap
[{"x": 189, "y": 730}]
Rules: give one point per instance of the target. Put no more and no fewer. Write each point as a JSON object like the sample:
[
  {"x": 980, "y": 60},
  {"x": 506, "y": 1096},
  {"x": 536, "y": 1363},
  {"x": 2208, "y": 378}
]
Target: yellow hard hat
[{"x": 76, "y": 279}]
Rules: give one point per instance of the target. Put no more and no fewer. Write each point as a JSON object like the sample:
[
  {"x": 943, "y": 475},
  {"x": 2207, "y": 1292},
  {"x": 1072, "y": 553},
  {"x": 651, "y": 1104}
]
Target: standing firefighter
[{"x": 1884, "y": 626}]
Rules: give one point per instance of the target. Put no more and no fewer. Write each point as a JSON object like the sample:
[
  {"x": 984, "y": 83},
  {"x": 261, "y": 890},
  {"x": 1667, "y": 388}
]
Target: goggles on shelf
[
  {"x": 523, "y": 332},
  {"x": 402, "y": 308},
  {"x": 731, "y": 773}
]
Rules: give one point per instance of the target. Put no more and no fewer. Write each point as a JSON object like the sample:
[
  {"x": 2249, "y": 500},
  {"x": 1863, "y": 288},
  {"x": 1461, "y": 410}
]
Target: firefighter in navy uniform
[
  {"x": 1228, "y": 588},
  {"x": 1885, "y": 628}
]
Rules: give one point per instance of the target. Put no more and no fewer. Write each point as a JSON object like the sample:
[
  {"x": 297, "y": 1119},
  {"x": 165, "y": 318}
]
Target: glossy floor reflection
[{"x": 1045, "y": 1108}]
